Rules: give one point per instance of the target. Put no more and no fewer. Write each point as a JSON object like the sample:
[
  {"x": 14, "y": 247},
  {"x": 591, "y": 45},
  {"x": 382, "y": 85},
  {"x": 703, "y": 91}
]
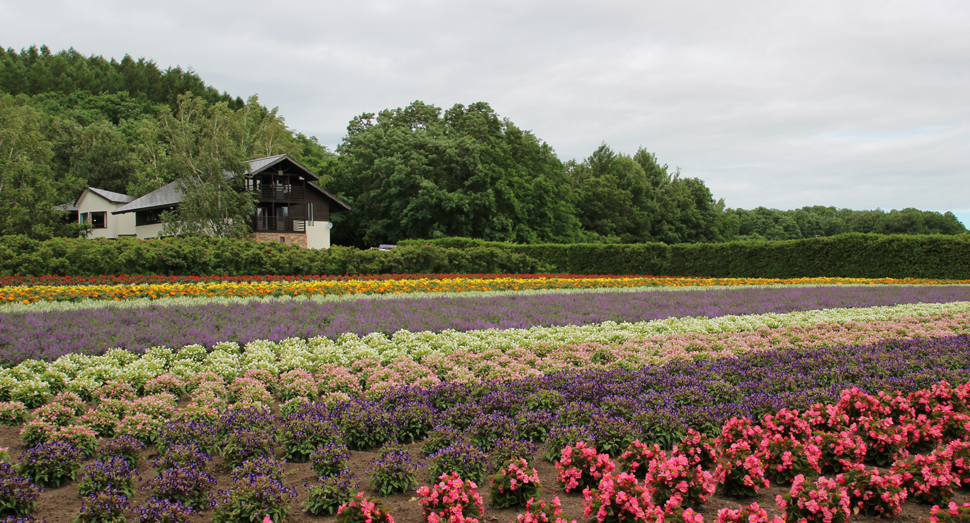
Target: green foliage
[
  {"x": 418, "y": 173},
  {"x": 810, "y": 222}
]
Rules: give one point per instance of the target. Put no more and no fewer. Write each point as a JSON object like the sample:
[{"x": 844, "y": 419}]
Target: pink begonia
[
  {"x": 737, "y": 430},
  {"x": 619, "y": 498},
  {"x": 537, "y": 511},
  {"x": 952, "y": 514},
  {"x": 698, "y": 448},
  {"x": 638, "y": 456},
  {"x": 741, "y": 470},
  {"x": 581, "y": 466},
  {"x": 267, "y": 519},
  {"x": 675, "y": 480},
  {"x": 362, "y": 510},
  {"x": 873, "y": 493},
  {"x": 752, "y": 513},
  {"x": 787, "y": 423},
  {"x": 930, "y": 478},
  {"x": 825, "y": 501},
  {"x": 452, "y": 500},
  {"x": 839, "y": 450}
]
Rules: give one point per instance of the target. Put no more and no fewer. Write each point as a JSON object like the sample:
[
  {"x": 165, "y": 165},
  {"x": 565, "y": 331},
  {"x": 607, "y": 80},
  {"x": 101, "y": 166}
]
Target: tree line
[{"x": 68, "y": 121}]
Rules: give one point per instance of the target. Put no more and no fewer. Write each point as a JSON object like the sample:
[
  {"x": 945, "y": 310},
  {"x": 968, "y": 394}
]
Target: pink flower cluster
[
  {"x": 953, "y": 514},
  {"x": 452, "y": 500},
  {"x": 752, "y": 513},
  {"x": 362, "y": 510},
  {"x": 581, "y": 466},
  {"x": 873, "y": 493},
  {"x": 513, "y": 486},
  {"x": 537, "y": 511},
  {"x": 674, "y": 482},
  {"x": 787, "y": 458},
  {"x": 620, "y": 498},
  {"x": 929, "y": 478},
  {"x": 826, "y": 501}
]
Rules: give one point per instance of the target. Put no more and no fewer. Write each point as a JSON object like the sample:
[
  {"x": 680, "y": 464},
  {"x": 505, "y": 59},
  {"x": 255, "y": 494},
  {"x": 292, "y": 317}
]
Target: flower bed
[
  {"x": 18, "y": 289},
  {"x": 223, "y": 489},
  {"x": 48, "y": 335}
]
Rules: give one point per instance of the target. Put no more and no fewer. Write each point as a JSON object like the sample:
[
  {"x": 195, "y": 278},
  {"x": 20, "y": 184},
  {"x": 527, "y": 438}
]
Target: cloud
[{"x": 857, "y": 104}]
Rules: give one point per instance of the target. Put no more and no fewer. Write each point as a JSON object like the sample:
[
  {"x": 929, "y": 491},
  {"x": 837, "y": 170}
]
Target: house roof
[
  {"x": 172, "y": 195},
  {"x": 112, "y": 197},
  {"x": 166, "y": 196},
  {"x": 329, "y": 196}
]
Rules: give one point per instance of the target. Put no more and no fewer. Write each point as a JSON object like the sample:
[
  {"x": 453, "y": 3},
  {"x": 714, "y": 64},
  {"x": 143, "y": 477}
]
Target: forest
[{"x": 69, "y": 121}]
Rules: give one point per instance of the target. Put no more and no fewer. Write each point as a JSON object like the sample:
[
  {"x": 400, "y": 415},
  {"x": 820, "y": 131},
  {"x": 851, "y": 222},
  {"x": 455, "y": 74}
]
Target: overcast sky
[{"x": 778, "y": 104}]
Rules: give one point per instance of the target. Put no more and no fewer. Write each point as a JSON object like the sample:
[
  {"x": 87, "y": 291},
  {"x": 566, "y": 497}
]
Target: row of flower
[
  {"x": 630, "y": 457},
  {"x": 523, "y": 321},
  {"x": 416, "y": 283},
  {"x": 489, "y": 353},
  {"x": 158, "y": 279}
]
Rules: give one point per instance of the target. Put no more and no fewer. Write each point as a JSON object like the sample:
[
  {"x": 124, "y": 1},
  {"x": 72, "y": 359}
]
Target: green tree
[
  {"x": 418, "y": 173},
  {"x": 29, "y": 193},
  {"x": 207, "y": 158}
]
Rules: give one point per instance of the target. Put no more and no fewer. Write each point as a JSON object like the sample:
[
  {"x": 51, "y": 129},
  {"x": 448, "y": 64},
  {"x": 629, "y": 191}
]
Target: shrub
[
  {"x": 112, "y": 472},
  {"x": 740, "y": 471},
  {"x": 537, "y": 511},
  {"x": 507, "y": 449},
  {"x": 871, "y": 493},
  {"x": 182, "y": 455},
  {"x": 12, "y": 412},
  {"x": 928, "y": 479},
  {"x": 329, "y": 459},
  {"x": 786, "y": 458},
  {"x": 333, "y": 491},
  {"x": 513, "y": 485},
  {"x": 125, "y": 447},
  {"x": 468, "y": 461},
  {"x": 618, "y": 498},
  {"x": 581, "y": 466},
  {"x": 953, "y": 514},
  {"x": 163, "y": 511},
  {"x": 18, "y": 495},
  {"x": 393, "y": 471},
  {"x": 676, "y": 483},
  {"x": 440, "y": 437},
  {"x": 839, "y": 451},
  {"x": 50, "y": 464},
  {"x": 747, "y": 514},
  {"x": 825, "y": 501},
  {"x": 362, "y": 510},
  {"x": 188, "y": 485},
  {"x": 103, "y": 506},
  {"x": 637, "y": 457},
  {"x": 243, "y": 444},
  {"x": 451, "y": 500},
  {"x": 251, "y": 497}
]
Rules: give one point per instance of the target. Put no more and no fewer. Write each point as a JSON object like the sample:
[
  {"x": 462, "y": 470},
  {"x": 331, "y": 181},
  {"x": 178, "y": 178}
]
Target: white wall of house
[
  {"x": 318, "y": 235},
  {"x": 147, "y": 231},
  {"x": 114, "y": 225}
]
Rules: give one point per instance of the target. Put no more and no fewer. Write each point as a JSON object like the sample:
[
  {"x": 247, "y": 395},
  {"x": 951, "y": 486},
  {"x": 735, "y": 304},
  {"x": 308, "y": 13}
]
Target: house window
[
  {"x": 149, "y": 217},
  {"x": 282, "y": 239},
  {"x": 99, "y": 220},
  {"x": 84, "y": 217},
  {"x": 309, "y": 212}
]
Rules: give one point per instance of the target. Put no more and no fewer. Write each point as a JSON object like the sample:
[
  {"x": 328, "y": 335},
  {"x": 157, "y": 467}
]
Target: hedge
[
  {"x": 848, "y": 255},
  {"x": 207, "y": 255}
]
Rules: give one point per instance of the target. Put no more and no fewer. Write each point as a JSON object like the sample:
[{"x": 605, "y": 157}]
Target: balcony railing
[
  {"x": 272, "y": 223},
  {"x": 284, "y": 192}
]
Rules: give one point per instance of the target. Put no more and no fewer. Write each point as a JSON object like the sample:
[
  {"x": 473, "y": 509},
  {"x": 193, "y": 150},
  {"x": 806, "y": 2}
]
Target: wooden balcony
[
  {"x": 292, "y": 193},
  {"x": 274, "y": 224}
]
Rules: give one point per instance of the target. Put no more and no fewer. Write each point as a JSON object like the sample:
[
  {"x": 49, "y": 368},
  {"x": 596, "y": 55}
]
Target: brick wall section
[{"x": 289, "y": 238}]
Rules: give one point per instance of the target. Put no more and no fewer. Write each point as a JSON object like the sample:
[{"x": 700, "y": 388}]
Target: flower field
[
  {"x": 18, "y": 289},
  {"x": 786, "y": 403}
]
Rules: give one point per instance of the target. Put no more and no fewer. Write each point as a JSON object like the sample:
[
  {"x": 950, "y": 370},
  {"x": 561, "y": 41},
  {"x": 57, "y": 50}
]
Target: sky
[{"x": 855, "y": 104}]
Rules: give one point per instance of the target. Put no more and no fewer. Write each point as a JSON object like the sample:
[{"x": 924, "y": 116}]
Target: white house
[
  {"x": 291, "y": 208},
  {"x": 94, "y": 206}
]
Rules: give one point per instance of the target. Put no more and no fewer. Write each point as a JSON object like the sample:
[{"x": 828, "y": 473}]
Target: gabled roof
[
  {"x": 329, "y": 196},
  {"x": 261, "y": 164},
  {"x": 112, "y": 197},
  {"x": 166, "y": 196}
]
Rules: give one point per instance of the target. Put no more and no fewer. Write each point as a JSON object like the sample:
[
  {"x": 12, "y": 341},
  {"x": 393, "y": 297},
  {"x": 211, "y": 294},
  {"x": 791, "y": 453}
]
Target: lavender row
[{"x": 48, "y": 335}]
